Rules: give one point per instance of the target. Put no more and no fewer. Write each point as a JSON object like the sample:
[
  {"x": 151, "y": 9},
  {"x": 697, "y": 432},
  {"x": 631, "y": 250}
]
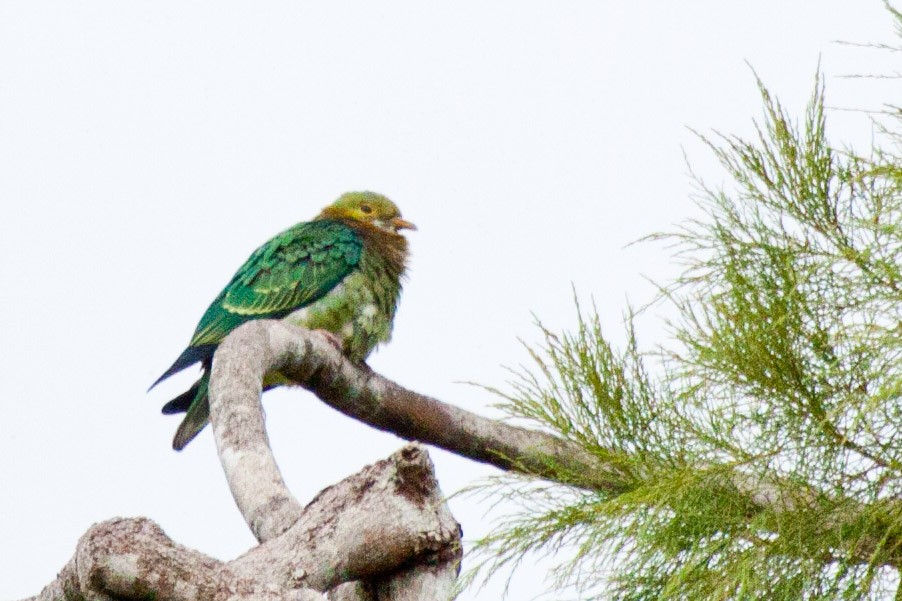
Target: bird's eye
[{"x": 366, "y": 209}]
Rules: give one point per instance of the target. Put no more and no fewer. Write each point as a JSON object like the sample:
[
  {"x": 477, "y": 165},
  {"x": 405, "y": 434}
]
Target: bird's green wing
[{"x": 294, "y": 269}]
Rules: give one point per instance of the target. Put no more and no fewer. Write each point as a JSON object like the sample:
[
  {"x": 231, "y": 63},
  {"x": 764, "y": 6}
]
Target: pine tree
[{"x": 760, "y": 451}]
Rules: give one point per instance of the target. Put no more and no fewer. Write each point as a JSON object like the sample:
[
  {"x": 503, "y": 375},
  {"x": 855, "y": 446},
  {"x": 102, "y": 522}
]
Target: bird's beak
[{"x": 400, "y": 224}]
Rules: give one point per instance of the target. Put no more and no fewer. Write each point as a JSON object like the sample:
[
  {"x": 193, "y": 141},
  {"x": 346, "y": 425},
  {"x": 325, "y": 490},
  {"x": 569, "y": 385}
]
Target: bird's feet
[{"x": 332, "y": 339}]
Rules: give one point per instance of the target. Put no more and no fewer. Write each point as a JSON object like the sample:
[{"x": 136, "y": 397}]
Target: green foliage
[{"x": 762, "y": 451}]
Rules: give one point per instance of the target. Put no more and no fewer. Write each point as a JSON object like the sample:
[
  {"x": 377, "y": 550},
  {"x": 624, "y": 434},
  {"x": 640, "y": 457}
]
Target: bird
[{"x": 341, "y": 273}]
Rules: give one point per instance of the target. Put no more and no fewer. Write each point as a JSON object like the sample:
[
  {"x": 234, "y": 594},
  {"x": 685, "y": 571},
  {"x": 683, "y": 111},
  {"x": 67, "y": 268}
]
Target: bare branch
[
  {"x": 267, "y": 505},
  {"x": 310, "y": 360}
]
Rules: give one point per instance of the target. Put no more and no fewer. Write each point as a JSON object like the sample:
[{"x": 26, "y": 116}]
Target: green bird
[{"x": 340, "y": 273}]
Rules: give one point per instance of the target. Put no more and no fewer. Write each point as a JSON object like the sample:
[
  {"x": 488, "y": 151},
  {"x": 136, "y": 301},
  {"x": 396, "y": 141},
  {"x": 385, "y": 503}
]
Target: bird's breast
[{"x": 352, "y": 311}]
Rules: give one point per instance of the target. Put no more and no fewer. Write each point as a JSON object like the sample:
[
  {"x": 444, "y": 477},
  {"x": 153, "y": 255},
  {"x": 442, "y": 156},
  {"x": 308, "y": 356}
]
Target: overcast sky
[{"x": 146, "y": 148}]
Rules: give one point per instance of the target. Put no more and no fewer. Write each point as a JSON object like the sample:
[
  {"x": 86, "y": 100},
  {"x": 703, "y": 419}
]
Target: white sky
[{"x": 146, "y": 148}]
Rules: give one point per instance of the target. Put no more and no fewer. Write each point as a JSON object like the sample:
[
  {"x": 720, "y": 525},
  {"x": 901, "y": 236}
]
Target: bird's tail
[
  {"x": 196, "y": 405},
  {"x": 189, "y": 357},
  {"x": 181, "y": 403}
]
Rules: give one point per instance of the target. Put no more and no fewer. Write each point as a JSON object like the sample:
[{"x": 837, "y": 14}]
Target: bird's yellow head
[{"x": 369, "y": 208}]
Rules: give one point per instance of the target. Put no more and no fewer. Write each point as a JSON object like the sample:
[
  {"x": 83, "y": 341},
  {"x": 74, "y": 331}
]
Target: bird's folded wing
[{"x": 294, "y": 269}]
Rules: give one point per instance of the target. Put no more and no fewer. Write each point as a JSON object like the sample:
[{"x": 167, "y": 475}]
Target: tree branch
[
  {"x": 395, "y": 503},
  {"x": 313, "y": 362}
]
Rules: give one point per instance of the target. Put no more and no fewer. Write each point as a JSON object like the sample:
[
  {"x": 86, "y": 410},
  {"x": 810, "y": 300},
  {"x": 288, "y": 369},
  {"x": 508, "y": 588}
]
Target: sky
[{"x": 146, "y": 148}]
